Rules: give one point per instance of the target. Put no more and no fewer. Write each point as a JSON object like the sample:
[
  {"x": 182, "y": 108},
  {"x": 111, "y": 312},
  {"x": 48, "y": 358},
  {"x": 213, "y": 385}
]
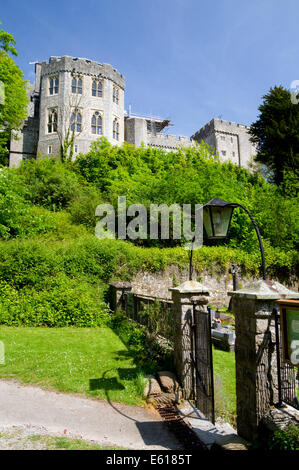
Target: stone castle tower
[
  {"x": 230, "y": 141},
  {"x": 71, "y": 93}
]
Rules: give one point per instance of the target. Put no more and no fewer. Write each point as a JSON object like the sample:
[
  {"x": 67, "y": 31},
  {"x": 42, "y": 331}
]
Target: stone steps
[
  {"x": 218, "y": 436},
  {"x": 164, "y": 390}
]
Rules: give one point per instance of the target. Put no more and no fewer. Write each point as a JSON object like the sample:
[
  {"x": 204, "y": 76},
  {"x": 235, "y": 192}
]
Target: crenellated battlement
[
  {"x": 168, "y": 141},
  {"x": 81, "y": 66}
]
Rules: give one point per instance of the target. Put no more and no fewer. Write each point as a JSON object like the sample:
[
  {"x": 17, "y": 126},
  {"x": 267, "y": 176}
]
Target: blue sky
[{"x": 185, "y": 60}]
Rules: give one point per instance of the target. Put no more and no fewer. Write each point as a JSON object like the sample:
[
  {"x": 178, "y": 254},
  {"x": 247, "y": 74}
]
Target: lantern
[{"x": 217, "y": 215}]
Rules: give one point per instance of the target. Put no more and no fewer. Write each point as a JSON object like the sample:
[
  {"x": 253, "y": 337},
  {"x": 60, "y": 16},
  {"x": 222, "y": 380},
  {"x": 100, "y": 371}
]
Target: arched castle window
[
  {"x": 97, "y": 88},
  {"x": 77, "y": 85},
  {"x": 96, "y": 124},
  {"x": 115, "y": 129},
  {"x": 52, "y": 121},
  {"x": 76, "y": 121},
  {"x": 115, "y": 95},
  {"x": 53, "y": 85}
]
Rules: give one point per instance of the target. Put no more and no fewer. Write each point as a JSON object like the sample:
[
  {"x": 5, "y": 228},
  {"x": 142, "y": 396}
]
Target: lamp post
[{"x": 217, "y": 216}]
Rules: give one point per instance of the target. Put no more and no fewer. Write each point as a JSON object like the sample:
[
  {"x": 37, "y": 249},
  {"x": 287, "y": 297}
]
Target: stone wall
[
  {"x": 158, "y": 283},
  {"x": 23, "y": 144},
  {"x": 168, "y": 141}
]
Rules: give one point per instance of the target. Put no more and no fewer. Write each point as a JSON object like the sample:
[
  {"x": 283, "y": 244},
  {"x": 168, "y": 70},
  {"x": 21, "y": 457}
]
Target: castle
[{"x": 75, "y": 94}]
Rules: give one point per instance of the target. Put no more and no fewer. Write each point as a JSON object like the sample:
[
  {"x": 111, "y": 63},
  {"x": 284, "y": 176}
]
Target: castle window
[
  {"x": 223, "y": 153},
  {"x": 115, "y": 95},
  {"x": 97, "y": 88},
  {"x": 53, "y": 85},
  {"x": 77, "y": 85},
  {"x": 96, "y": 124},
  {"x": 115, "y": 129},
  {"x": 222, "y": 137},
  {"x": 76, "y": 148},
  {"x": 49, "y": 149},
  {"x": 76, "y": 121},
  {"x": 52, "y": 121}
]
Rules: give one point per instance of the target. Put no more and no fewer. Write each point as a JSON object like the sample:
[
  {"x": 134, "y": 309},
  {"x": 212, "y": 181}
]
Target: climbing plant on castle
[{"x": 13, "y": 99}]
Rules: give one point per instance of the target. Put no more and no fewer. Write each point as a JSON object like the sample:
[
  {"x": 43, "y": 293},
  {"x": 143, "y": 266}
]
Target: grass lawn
[
  {"x": 89, "y": 361},
  {"x": 225, "y": 384},
  {"x": 95, "y": 362}
]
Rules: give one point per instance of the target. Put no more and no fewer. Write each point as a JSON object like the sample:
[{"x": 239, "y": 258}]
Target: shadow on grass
[
  {"x": 128, "y": 374},
  {"x": 122, "y": 355},
  {"x": 105, "y": 384}
]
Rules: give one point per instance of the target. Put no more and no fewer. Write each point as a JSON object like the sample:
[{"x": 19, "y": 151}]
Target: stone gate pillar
[
  {"x": 116, "y": 294},
  {"x": 256, "y": 367},
  {"x": 183, "y": 320}
]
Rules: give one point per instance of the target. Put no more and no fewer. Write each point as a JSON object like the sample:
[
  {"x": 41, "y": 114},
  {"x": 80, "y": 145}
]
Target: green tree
[
  {"x": 276, "y": 132},
  {"x": 13, "y": 105}
]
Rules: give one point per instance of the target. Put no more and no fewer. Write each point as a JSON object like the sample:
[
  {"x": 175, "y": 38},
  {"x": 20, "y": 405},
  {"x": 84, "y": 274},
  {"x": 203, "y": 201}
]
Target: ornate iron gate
[{"x": 202, "y": 361}]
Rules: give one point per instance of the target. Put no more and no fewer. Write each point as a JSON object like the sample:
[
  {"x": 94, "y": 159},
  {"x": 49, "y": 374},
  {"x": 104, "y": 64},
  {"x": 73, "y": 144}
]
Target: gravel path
[{"x": 26, "y": 410}]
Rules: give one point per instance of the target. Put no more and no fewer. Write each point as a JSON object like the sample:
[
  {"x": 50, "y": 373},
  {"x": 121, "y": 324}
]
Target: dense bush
[
  {"x": 33, "y": 262},
  {"x": 143, "y": 347},
  {"x": 193, "y": 176},
  {"x": 64, "y": 303},
  {"x": 17, "y": 216},
  {"x": 49, "y": 183},
  {"x": 82, "y": 207}
]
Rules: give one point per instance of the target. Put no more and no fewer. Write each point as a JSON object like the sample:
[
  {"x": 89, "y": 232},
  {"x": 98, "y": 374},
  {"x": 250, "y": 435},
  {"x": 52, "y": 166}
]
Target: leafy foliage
[
  {"x": 193, "y": 176},
  {"x": 14, "y": 109},
  {"x": 49, "y": 183},
  {"x": 83, "y": 205},
  {"x": 144, "y": 347},
  {"x": 158, "y": 319},
  {"x": 17, "y": 216},
  {"x": 7, "y": 42},
  {"x": 287, "y": 439},
  {"x": 64, "y": 303}
]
